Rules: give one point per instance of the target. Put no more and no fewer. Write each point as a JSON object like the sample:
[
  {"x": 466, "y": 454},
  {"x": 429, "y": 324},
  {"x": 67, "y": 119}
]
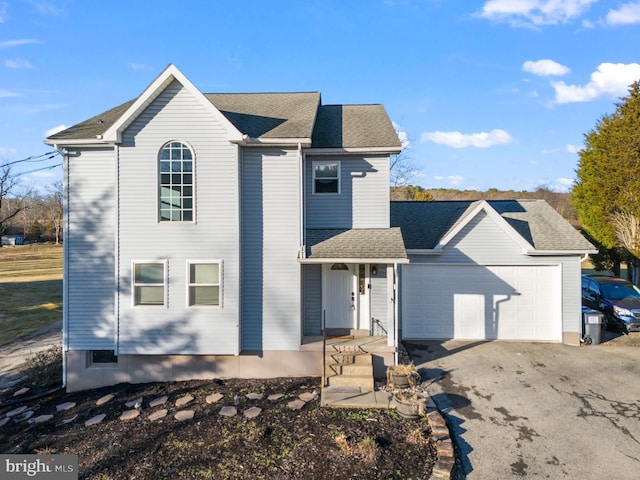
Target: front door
[{"x": 339, "y": 295}]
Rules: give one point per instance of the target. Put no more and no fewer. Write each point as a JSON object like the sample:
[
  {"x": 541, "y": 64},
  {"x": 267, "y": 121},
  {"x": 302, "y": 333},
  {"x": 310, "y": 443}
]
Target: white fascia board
[
  {"x": 496, "y": 217},
  {"x": 171, "y": 73},
  {"x": 353, "y": 150},
  {"x": 259, "y": 142},
  {"x": 425, "y": 251},
  {"x": 549, "y": 253},
  {"x": 352, "y": 260},
  {"x": 70, "y": 143}
]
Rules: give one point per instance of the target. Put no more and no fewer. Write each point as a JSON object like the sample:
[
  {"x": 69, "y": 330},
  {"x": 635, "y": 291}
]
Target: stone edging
[{"x": 443, "y": 469}]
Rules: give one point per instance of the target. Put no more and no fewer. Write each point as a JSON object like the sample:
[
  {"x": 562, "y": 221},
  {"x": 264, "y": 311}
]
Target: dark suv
[{"x": 618, "y": 299}]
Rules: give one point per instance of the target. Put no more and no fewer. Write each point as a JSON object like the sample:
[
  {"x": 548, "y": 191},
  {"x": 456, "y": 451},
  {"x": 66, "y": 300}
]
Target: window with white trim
[
  {"x": 204, "y": 283},
  {"x": 149, "y": 283},
  {"x": 176, "y": 183},
  {"x": 326, "y": 177}
]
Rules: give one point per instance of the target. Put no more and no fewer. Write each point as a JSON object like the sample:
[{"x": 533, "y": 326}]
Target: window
[
  {"x": 102, "y": 356},
  {"x": 176, "y": 183},
  {"x": 204, "y": 283},
  {"x": 149, "y": 283},
  {"x": 326, "y": 177}
]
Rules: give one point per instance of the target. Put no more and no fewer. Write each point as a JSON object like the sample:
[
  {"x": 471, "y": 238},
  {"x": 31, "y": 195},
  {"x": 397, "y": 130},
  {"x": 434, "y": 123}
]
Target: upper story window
[
  {"x": 149, "y": 283},
  {"x": 326, "y": 177},
  {"x": 176, "y": 183}
]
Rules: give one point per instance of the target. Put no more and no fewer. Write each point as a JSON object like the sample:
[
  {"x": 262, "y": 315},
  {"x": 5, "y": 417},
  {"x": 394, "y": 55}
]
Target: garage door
[{"x": 481, "y": 302}]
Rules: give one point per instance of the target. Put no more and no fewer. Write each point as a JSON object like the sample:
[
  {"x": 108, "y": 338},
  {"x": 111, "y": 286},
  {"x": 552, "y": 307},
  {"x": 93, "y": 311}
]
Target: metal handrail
[{"x": 324, "y": 348}]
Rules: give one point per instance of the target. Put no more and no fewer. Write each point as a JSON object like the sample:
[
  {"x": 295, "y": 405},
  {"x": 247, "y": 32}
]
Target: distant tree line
[{"x": 34, "y": 215}]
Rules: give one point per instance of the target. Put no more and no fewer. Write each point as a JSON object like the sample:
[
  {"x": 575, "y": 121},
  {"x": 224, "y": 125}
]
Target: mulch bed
[{"x": 280, "y": 443}]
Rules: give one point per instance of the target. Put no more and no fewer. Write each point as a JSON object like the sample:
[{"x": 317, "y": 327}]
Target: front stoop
[{"x": 348, "y": 368}]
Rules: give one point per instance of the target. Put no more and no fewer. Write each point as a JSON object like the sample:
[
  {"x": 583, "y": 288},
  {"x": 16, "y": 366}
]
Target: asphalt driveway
[{"x": 537, "y": 410}]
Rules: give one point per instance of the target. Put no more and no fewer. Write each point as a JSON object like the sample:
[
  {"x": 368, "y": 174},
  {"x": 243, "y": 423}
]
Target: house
[
  {"x": 223, "y": 235},
  {"x": 206, "y": 234}
]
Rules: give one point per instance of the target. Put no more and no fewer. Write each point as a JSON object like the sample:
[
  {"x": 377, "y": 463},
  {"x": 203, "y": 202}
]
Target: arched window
[{"x": 176, "y": 183}]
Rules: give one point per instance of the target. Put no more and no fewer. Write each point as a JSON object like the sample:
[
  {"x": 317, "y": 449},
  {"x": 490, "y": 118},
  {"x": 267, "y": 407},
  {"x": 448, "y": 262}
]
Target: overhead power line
[{"x": 35, "y": 158}]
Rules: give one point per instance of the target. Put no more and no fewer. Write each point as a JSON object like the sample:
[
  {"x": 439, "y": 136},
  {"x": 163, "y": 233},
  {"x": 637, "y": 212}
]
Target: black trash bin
[{"x": 591, "y": 326}]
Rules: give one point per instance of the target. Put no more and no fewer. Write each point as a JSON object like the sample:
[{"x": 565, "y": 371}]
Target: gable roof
[
  {"x": 430, "y": 225},
  {"x": 294, "y": 117}
]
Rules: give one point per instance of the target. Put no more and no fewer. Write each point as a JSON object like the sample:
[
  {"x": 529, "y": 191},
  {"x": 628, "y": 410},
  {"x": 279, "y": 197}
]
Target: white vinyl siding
[
  {"x": 89, "y": 244},
  {"x": 380, "y": 299},
  {"x": 364, "y": 194},
  {"x": 271, "y": 303},
  {"x": 214, "y": 233}
]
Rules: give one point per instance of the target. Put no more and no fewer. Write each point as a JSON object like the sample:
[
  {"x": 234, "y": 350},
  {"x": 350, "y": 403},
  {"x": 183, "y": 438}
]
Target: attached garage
[
  {"x": 489, "y": 270},
  {"x": 474, "y": 302}
]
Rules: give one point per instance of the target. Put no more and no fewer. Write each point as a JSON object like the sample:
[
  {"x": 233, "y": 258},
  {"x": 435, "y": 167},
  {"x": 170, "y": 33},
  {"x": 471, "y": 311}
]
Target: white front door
[{"x": 339, "y": 296}]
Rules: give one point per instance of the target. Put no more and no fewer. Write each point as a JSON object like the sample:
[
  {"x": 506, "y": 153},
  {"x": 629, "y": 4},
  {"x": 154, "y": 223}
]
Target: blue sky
[{"x": 487, "y": 94}]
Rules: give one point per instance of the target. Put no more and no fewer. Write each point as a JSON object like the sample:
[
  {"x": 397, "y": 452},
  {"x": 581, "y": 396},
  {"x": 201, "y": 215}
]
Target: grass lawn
[{"x": 30, "y": 289}]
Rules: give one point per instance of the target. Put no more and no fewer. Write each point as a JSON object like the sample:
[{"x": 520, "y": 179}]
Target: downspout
[
  {"x": 302, "y": 203},
  {"x": 301, "y": 249},
  {"x": 65, "y": 261},
  {"x": 395, "y": 312}
]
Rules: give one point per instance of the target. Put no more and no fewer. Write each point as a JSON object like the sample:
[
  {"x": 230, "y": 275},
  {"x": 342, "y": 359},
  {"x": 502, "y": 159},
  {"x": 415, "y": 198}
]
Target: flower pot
[
  {"x": 410, "y": 408},
  {"x": 400, "y": 380}
]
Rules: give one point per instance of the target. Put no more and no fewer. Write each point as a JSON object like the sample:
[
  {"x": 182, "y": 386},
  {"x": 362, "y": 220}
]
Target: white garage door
[{"x": 481, "y": 302}]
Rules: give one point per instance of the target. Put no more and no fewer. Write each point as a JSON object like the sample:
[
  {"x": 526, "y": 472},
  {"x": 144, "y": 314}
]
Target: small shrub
[{"x": 45, "y": 367}]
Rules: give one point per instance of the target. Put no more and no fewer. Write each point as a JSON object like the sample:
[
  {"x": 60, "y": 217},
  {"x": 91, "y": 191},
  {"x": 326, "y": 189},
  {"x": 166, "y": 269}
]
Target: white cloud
[
  {"x": 18, "y": 42},
  {"x": 545, "y": 68},
  {"x": 534, "y": 12},
  {"x": 8, "y": 94},
  {"x": 455, "y": 180},
  {"x": 627, "y": 14},
  {"x": 3, "y": 11},
  {"x": 402, "y": 135},
  {"x": 18, "y": 63},
  {"x": 54, "y": 130},
  {"x": 610, "y": 80},
  {"x": 139, "y": 66},
  {"x": 464, "y": 140},
  {"x": 573, "y": 148},
  {"x": 46, "y": 8}
]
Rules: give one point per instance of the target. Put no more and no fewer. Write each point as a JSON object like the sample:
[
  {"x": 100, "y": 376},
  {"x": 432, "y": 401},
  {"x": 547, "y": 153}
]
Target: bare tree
[
  {"x": 53, "y": 207},
  {"x": 12, "y": 201},
  {"x": 402, "y": 169}
]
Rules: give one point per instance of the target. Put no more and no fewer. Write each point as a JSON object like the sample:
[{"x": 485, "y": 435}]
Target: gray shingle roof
[
  {"x": 423, "y": 224},
  {"x": 269, "y": 115},
  {"x": 277, "y": 115},
  {"x": 360, "y": 243},
  {"x": 353, "y": 126}
]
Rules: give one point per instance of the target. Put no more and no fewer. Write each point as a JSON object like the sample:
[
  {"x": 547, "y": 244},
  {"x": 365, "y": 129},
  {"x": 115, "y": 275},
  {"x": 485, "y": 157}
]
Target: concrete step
[
  {"x": 350, "y": 369},
  {"x": 349, "y": 357},
  {"x": 365, "y": 382}
]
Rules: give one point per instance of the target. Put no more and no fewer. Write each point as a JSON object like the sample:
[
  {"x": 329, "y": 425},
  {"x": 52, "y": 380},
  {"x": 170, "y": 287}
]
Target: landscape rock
[
  {"x": 65, "y": 406},
  {"x": 129, "y": 414},
  {"x": 252, "y": 412},
  {"x": 135, "y": 403},
  {"x": 228, "y": 411},
  {"x": 67, "y": 420},
  {"x": 23, "y": 416},
  {"x": 156, "y": 402},
  {"x": 213, "y": 398},
  {"x": 307, "y": 397},
  {"x": 255, "y": 396},
  {"x": 296, "y": 404},
  {"x": 183, "y": 415},
  {"x": 41, "y": 419},
  {"x": 275, "y": 396},
  {"x": 22, "y": 391},
  {"x": 157, "y": 415},
  {"x": 182, "y": 401},
  {"x": 95, "y": 420},
  {"x": 16, "y": 411},
  {"x": 105, "y": 399}
]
